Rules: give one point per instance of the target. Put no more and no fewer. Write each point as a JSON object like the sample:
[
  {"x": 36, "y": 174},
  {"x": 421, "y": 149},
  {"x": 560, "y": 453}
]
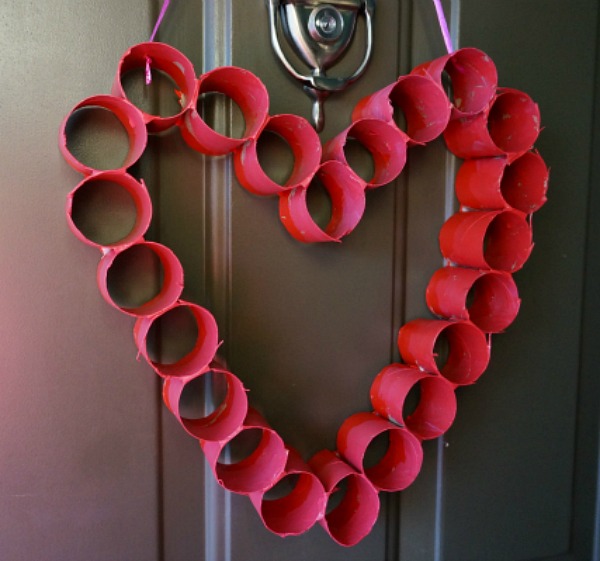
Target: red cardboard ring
[
  {"x": 355, "y": 515},
  {"x": 500, "y": 239},
  {"x": 198, "y": 358},
  {"x": 246, "y": 90},
  {"x": 171, "y": 285},
  {"x": 489, "y": 299},
  {"x": 525, "y": 183},
  {"x": 139, "y": 196},
  {"x": 468, "y": 352},
  {"x": 401, "y": 463},
  {"x": 478, "y": 183},
  {"x": 494, "y": 183},
  {"x": 304, "y": 143},
  {"x": 473, "y": 77},
  {"x": 347, "y": 194},
  {"x": 424, "y": 104},
  {"x": 509, "y": 126},
  {"x": 385, "y": 142},
  {"x": 256, "y": 472},
  {"x": 166, "y": 59},
  {"x": 129, "y": 116},
  {"x": 226, "y": 418},
  {"x": 297, "y": 511},
  {"x": 436, "y": 408}
]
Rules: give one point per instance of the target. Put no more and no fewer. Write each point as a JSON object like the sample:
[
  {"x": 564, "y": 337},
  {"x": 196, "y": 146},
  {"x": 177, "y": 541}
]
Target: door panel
[
  {"x": 94, "y": 466},
  {"x": 78, "y": 417},
  {"x": 521, "y": 495}
]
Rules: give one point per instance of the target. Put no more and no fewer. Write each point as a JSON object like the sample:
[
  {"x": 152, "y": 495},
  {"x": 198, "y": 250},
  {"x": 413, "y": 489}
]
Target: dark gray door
[{"x": 94, "y": 467}]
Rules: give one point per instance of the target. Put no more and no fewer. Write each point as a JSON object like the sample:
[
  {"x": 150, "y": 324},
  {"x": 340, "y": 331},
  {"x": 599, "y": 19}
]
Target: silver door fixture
[{"x": 319, "y": 34}]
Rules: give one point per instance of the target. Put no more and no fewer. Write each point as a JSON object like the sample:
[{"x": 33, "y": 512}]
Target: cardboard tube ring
[
  {"x": 225, "y": 419},
  {"x": 137, "y": 193},
  {"x": 473, "y": 79},
  {"x": 347, "y": 195},
  {"x": 197, "y": 358},
  {"x": 462, "y": 362},
  {"x": 305, "y": 144},
  {"x": 478, "y": 183},
  {"x": 508, "y": 127},
  {"x": 496, "y": 183},
  {"x": 401, "y": 462},
  {"x": 385, "y": 142},
  {"x": 241, "y": 86},
  {"x": 525, "y": 183},
  {"x": 423, "y": 103},
  {"x": 298, "y": 510},
  {"x": 489, "y": 299},
  {"x": 436, "y": 408},
  {"x": 130, "y": 118},
  {"x": 171, "y": 284},
  {"x": 256, "y": 472},
  {"x": 500, "y": 239},
  {"x": 171, "y": 62},
  {"x": 353, "y": 517}
]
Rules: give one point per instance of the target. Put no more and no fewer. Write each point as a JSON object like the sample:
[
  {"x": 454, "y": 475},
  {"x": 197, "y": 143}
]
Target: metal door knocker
[{"x": 320, "y": 33}]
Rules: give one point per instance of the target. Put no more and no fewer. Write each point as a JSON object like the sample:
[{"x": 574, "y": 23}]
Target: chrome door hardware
[{"x": 319, "y": 34}]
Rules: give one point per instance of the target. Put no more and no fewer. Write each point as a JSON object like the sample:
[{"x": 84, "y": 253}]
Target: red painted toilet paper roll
[
  {"x": 478, "y": 181},
  {"x": 400, "y": 464},
  {"x": 299, "y": 509},
  {"x": 347, "y": 194},
  {"x": 468, "y": 352},
  {"x": 171, "y": 284},
  {"x": 128, "y": 115},
  {"x": 385, "y": 142},
  {"x": 493, "y": 183},
  {"x": 353, "y": 517},
  {"x": 509, "y": 126},
  {"x": 135, "y": 189},
  {"x": 305, "y": 144},
  {"x": 525, "y": 183},
  {"x": 436, "y": 409},
  {"x": 245, "y": 89},
  {"x": 171, "y": 62},
  {"x": 256, "y": 472},
  {"x": 496, "y": 239},
  {"x": 489, "y": 299},
  {"x": 203, "y": 351},
  {"x": 227, "y": 417},
  {"x": 473, "y": 78},
  {"x": 422, "y": 101}
]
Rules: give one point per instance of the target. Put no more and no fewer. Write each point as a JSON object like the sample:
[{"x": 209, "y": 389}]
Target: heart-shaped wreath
[{"x": 501, "y": 182}]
